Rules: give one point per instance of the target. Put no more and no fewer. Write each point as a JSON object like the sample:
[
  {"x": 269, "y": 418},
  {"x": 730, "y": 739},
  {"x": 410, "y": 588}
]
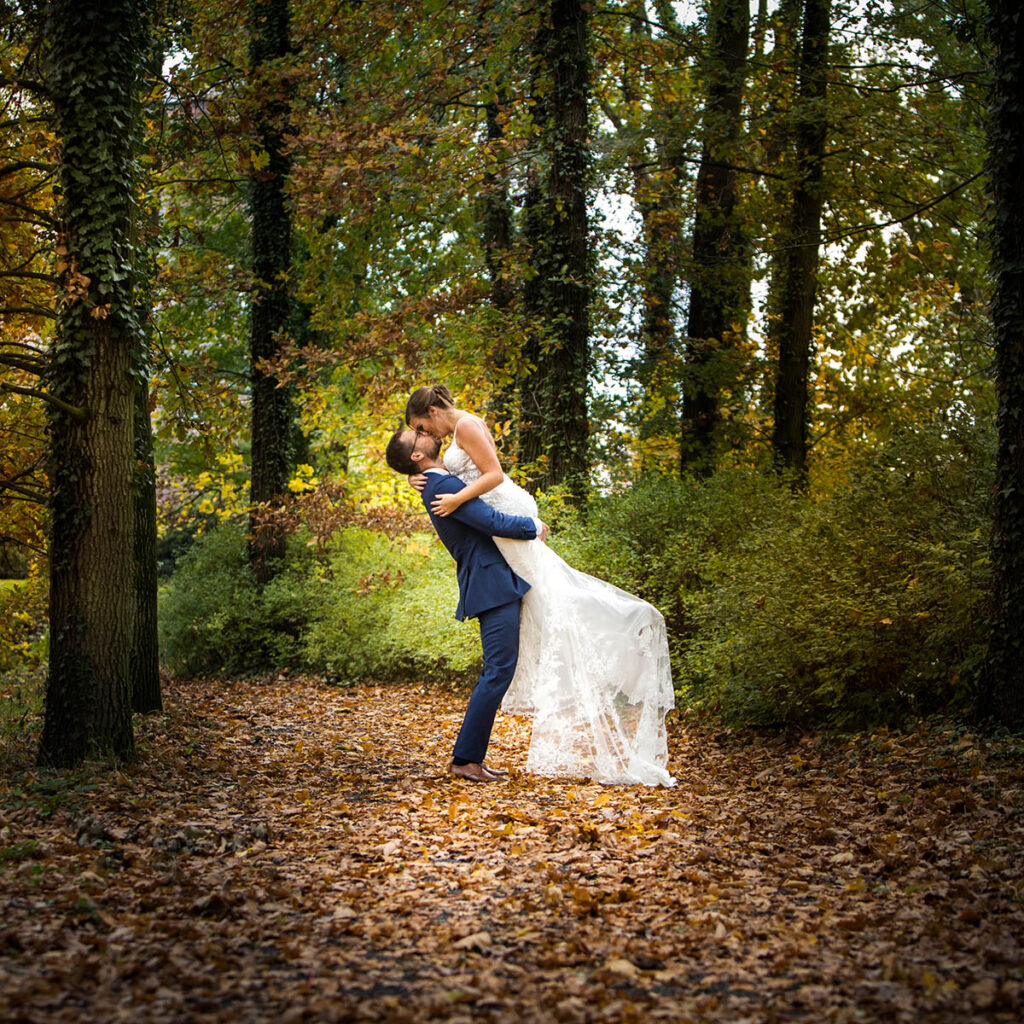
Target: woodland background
[{"x": 733, "y": 284}]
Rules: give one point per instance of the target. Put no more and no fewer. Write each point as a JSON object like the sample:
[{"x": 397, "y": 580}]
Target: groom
[{"x": 488, "y": 589}]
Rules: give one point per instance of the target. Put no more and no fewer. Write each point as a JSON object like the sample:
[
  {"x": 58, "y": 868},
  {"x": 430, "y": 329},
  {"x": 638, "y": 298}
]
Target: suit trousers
[{"x": 499, "y": 637}]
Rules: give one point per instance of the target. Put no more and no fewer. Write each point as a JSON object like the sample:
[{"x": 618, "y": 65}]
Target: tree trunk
[
  {"x": 94, "y": 66},
  {"x": 1001, "y": 693},
  {"x": 531, "y": 427},
  {"x": 657, "y": 197},
  {"x": 719, "y": 275},
  {"x": 145, "y": 656},
  {"x": 554, "y": 397},
  {"x": 794, "y": 280},
  {"x": 496, "y": 236},
  {"x": 271, "y": 234}
]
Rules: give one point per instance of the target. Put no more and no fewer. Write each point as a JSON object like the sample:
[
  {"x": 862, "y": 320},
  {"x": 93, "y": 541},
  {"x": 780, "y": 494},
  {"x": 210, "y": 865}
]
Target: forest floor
[{"x": 287, "y": 851}]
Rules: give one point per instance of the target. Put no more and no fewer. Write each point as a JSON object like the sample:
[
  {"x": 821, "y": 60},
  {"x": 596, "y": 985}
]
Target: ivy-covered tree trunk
[
  {"x": 145, "y": 657},
  {"x": 554, "y": 427},
  {"x": 1001, "y": 694},
  {"x": 657, "y": 196},
  {"x": 719, "y": 273},
  {"x": 271, "y": 239},
  {"x": 794, "y": 280},
  {"x": 496, "y": 236},
  {"x": 95, "y": 54}
]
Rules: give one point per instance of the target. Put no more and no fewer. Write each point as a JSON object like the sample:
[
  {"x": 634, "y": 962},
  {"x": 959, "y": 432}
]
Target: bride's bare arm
[{"x": 477, "y": 444}]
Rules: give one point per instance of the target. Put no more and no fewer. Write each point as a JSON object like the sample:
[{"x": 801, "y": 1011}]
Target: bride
[{"x": 593, "y": 666}]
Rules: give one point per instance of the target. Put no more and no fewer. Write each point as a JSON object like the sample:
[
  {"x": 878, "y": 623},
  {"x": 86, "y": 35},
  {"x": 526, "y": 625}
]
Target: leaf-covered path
[{"x": 286, "y": 851}]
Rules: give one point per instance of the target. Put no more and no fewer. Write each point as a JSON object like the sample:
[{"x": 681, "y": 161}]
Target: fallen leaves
[{"x": 288, "y": 851}]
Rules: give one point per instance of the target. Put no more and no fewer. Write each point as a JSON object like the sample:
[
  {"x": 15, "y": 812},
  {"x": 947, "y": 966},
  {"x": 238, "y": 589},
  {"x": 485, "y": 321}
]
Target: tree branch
[
  {"x": 22, "y": 165},
  {"x": 27, "y": 311},
  {"x": 6, "y": 539},
  {"x": 75, "y": 411},
  {"x": 26, "y": 492},
  {"x": 36, "y": 366}
]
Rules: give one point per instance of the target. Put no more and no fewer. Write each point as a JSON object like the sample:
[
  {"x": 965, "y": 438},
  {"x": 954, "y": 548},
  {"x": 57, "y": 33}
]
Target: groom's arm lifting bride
[{"x": 488, "y": 589}]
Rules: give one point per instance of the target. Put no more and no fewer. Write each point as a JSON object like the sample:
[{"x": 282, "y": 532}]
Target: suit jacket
[{"x": 485, "y": 580}]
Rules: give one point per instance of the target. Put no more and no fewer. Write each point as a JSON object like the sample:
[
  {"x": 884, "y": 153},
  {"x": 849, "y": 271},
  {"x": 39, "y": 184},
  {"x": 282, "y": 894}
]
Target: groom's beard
[{"x": 429, "y": 446}]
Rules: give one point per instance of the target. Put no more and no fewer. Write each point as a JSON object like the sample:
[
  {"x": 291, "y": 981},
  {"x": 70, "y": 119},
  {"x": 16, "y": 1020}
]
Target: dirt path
[{"x": 285, "y": 851}]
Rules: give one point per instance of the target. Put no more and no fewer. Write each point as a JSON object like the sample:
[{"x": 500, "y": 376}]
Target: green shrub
[
  {"x": 214, "y": 618},
  {"x": 390, "y": 611},
  {"x": 856, "y": 604},
  {"x": 864, "y": 605},
  {"x": 366, "y": 607}
]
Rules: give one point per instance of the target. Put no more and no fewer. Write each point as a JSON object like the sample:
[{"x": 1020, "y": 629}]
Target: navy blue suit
[{"x": 489, "y": 591}]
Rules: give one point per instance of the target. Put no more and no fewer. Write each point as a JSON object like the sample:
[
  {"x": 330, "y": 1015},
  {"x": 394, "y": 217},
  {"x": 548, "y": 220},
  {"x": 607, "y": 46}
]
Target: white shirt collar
[{"x": 436, "y": 469}]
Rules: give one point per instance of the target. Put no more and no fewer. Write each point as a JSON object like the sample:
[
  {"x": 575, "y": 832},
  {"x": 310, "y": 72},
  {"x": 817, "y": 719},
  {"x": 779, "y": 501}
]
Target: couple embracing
[{"x": 588, "y": 661}]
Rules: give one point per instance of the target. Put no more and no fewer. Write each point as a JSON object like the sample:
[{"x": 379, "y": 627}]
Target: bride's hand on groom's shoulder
[{"x": 418, "y": 481}]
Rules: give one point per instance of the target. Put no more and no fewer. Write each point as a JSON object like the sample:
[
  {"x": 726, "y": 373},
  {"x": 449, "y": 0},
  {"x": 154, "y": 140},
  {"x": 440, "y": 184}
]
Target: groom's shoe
[
  {"x": 473, "y": 772},
  {"x": 498, "y": 773}
]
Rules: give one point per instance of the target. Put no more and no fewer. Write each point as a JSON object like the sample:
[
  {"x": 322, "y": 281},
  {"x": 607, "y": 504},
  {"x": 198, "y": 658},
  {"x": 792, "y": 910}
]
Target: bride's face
[{"x": 430, "y": 424}]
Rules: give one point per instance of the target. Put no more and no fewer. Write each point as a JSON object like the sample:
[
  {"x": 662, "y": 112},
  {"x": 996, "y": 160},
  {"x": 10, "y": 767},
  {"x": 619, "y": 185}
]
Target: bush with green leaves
[
  {"x": 865, "y": 604},
  {"x": 857, "y": 604},
  {"x": 366, "y": 607}
]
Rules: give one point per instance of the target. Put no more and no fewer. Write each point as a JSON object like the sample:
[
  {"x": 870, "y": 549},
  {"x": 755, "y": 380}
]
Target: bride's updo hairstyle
[{"x": 423, "y": 398}]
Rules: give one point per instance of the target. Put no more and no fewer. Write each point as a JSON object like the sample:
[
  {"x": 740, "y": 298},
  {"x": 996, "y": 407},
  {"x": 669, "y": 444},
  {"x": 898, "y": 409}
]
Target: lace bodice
[{"x": 506, "y": 497}]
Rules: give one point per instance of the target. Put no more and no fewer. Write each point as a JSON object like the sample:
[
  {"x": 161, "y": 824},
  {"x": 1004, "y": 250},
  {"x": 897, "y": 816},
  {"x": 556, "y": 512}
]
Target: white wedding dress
[{"x": 593, "y": 666}]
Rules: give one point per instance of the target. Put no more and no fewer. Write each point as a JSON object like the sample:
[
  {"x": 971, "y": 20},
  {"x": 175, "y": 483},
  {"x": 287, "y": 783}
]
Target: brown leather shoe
[
  {"x": 473, "y": 772},
  {"x": 499, "y": 772}
]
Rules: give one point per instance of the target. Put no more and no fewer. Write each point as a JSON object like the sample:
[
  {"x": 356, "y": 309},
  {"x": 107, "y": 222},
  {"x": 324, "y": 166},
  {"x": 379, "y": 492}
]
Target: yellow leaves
[{"x": 305, "y": 479}]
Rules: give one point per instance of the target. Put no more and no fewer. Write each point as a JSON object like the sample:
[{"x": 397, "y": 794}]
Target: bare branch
[
  {"x": 33, "y": 275},
  {"x": 27, "y": 311},
  {"x": 6, "y": 539},
  {"x": 36, "y": 366},
  {"x": 31, "y": 493},
  {"x": 22, "y": 165}
]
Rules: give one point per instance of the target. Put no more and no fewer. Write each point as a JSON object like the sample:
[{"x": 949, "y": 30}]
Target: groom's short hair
[{"x": 399, "y": 449}]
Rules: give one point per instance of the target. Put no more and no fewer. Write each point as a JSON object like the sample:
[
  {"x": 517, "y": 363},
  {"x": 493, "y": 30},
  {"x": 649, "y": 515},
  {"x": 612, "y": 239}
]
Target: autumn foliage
[{"x": 285, "y": 850}]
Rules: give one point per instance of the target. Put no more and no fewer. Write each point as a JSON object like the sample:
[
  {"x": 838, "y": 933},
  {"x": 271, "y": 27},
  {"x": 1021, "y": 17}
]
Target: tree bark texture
[
  {"x": 794, "y": 281},
  {"x": 271, "y": 234},
  {"x": 496, "y": 237},
  {"x": 719, "y": 275},
  {"x": 1001, "y": 693},
  {"x": 145, "y": 656},
  {"x": 554, "y": 429},
  {"x": 95, "y": 58},
  {"x": 657, "y": 197}
]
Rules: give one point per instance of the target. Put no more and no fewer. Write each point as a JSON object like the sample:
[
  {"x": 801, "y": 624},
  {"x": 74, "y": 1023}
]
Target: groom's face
[{"x": 425, "y": 445}]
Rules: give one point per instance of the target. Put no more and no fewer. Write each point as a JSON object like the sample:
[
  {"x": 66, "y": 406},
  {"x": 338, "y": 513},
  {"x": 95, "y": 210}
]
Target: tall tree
[
  {"x": 719, "y": 273},
  {"x": 271, "y": 239},
  {"x": 1001, "y": 694},
  {"x": 794, "y": 280},
  {"x": 554, "y": 427},
  {"x": 496, "y": 222},
  {"x": 95, "y": 58},
  {"x": 145, "y": 657}
]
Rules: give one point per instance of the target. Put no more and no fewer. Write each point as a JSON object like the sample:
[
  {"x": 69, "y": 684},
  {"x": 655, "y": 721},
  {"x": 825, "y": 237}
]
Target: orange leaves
[{"x": 282, "y": 845}]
